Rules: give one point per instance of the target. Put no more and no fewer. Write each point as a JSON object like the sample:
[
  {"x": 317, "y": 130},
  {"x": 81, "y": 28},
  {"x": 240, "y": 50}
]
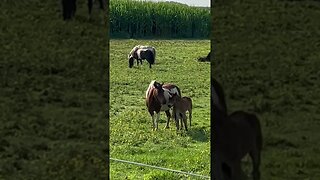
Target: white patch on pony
[
  {"x": 149, "y": 88},
  {"x": 167, "y": 94}
]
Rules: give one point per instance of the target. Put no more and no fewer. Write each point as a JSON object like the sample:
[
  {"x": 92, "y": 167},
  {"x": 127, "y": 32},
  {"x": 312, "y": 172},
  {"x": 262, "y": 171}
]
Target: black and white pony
[
  {"x": 69, "y": 8},
  {"x": 142, "y": 52}
]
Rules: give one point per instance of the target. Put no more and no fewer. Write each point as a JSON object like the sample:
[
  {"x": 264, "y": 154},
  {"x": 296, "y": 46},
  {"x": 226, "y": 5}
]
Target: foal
[{"x": 180, "y": 106}]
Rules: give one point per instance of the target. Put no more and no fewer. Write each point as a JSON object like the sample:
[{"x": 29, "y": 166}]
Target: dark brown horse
[
  {"x": 240, "y": 134},
  {"x": 158, "y": 98},
  {"x": 237, "y": 135}
]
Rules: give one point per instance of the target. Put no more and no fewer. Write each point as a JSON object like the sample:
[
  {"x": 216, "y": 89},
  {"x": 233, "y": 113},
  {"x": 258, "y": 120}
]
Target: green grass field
[
  {"x": 52, "y": 92},
  {"x": 131, "y": 135},
  {"x": 267, "y": 59}
]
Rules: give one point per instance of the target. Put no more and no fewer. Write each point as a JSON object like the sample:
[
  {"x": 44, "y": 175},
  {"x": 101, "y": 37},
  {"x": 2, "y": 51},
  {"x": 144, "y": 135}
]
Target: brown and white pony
[
  {"x": 158, "y": 98},
  {"x": 142, "y": 52},
  {"x": 180, "y": 106},
  {"x": 237, "y": 135}
]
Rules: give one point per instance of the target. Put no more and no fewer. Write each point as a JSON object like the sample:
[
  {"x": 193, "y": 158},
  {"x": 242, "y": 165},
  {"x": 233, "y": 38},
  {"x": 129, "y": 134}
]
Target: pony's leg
[
  {"x": 168, "y": 119},
  {"x": 152, "y": 117},
  {"x": 217, "y": 166},
  {"x": 175, "y": 117},
  {"x": 185, "y": 122},
  {"x": 90, "y": 4},
  {"x": 157, "y": 120},
  {"x": 255, "y": 156},
  {"x": 101, "y": 4},
  {"x": 236, "y": 171}
]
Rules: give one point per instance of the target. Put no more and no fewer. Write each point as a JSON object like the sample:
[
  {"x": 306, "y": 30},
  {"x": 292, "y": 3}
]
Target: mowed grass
[
  {"x": 270, "y": 66},
  {"x": 131, "y": 135}
]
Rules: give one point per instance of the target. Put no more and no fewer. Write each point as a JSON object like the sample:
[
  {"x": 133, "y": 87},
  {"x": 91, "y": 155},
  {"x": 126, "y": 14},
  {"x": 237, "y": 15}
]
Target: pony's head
[
  {"x": 174, "y": 98},
  {"x": 159, "y": 92},
  {"x": 131, "y": 60}
]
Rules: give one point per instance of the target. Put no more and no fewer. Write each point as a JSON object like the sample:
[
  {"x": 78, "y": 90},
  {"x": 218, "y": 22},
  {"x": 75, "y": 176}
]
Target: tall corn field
[{"x": 130, "y": 18}]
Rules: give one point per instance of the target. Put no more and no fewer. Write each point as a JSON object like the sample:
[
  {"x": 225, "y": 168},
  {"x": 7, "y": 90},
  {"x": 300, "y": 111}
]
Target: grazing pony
[
  {"x": 180, "y": 106},
  {"x": 158, "y": 98},
  {"x": 203, "y": 59},
  {"x": 69, "y": 8},
  {"x": 237, "y": 135},
  {"x": 142, "y": 52}
]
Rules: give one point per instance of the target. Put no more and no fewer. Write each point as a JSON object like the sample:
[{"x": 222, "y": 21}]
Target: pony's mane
[{"x": 149, "y": 87}]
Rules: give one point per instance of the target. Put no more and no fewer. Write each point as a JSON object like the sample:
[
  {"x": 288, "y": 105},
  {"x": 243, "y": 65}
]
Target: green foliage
[
  {"x": 267, "y": 59},
  {"x": 52, "y": 103},
  {"x": 131, "y": 135},
  {"x": 130, "y": 18}
]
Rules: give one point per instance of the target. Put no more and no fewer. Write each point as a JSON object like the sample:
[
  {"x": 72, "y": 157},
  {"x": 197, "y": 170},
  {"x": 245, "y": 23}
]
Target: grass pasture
[
  {"x": 267, "y": 59},
  {"x": 131, "y": 135},
  {"x": 52, "y": 92}
]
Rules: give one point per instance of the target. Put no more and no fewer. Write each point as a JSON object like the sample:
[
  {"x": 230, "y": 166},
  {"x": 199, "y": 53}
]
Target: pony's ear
[{"x": 156, "y": 84}]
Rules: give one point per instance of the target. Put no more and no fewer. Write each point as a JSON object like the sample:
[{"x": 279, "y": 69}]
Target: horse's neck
[{"x": 216, "y": 100}]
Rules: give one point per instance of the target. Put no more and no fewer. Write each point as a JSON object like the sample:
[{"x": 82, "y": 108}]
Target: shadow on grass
[{"x": 198, "y": 134}]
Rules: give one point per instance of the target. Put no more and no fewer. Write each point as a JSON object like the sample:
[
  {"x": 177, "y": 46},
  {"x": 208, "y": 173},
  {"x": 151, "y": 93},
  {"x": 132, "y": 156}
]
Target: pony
[
  {"x": 140, "y": 52},
  {"x": 237, "y": 135},
  {"x": 180, "y": 106},
  {"x": 69, "y": 8},
  {"x": 204, "y": 59},
  {"x": 158, "y": 98}
]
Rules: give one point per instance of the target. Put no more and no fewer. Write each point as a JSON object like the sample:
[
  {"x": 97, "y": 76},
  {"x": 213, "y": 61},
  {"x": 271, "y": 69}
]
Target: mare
[
  {"x": 140, "y": 52},
  {"x": 158, "y": 98}
]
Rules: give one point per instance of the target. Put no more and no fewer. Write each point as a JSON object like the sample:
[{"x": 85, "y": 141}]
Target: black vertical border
[
  {"x": 212, "y": 121},
  {"x": 107, "y": 89}
]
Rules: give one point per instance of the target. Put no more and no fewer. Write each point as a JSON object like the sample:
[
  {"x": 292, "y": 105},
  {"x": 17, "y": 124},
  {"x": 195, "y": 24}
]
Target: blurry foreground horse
[
  {"x": 237, "y": 135},
  {"x": 69, "y": 8},
  {"x": 158, "y": 98},
  {"x": 142, "y": 52}
]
